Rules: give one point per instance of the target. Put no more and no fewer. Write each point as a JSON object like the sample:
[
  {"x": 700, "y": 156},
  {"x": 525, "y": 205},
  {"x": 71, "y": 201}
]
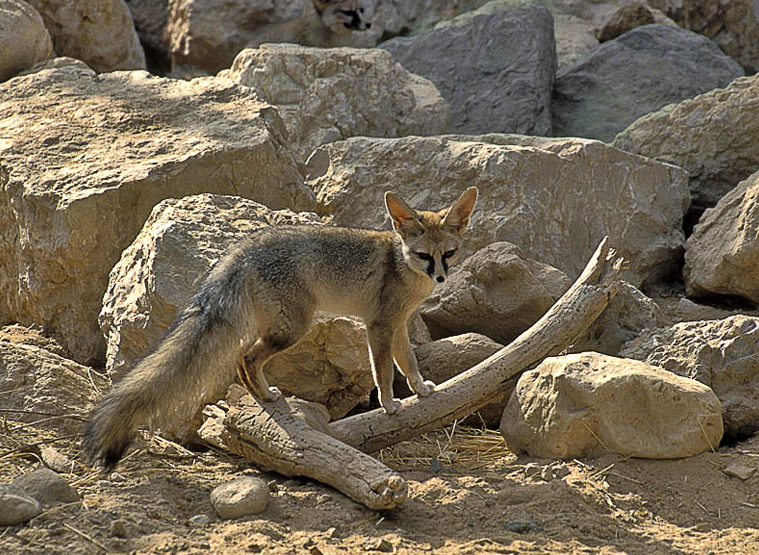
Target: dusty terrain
[{"x": 467, "y": 495}]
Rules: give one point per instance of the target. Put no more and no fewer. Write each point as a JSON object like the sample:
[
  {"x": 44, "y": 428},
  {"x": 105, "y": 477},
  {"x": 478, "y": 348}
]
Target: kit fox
[
  {"x": 259, "y": 299},
  {"x": 325, "y": 23}
]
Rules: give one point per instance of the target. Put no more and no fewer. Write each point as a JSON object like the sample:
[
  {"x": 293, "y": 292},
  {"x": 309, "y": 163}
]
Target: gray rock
[
  {"x": 548, "y": 196},
  {"x": 242, "y": 496},
  {"x": 633, "y": 75},
  {"x": 47, "y": 487},
  {"x": 722, "y": 354},
  {"x": 71, "y": 200},
  {"x": 497, "y": 292},
  {"x": 99, "y": 32},
  {"x": 16, "y": 507},
  {"x": 722, "y": 254},
  {"x": 496, "y": 70},
  {"x": 588, "y": 404},
  {"x": 339, "y": 93},
  {"x": 24, "y": 40},
  {"x": 714, "y": 136}
]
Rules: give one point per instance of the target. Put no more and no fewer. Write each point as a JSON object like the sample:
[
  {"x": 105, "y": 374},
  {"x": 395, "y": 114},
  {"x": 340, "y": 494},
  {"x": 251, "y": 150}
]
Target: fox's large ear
[
  {"x": 405, "y": 220},
  {"x": 458, "y": 214}
]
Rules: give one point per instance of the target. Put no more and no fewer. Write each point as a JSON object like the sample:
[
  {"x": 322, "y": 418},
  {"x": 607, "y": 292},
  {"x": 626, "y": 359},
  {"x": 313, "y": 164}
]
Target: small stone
[
  {"x": 331, "y": 532},
  {"x": 118, "y": 528},
  {"x": 56, "y": 461},
  {"x": 314, "y": 550},
  {"x": 379, "y": 544},
  {"x": 199, "y": 520},
  {"x": 116, "y": 477},
  {"x": 240, "y": 497},
  {"x": 739, "y": 471},
  {"x": 16, "y": 507},
  {"x": 47, "y": 487}
]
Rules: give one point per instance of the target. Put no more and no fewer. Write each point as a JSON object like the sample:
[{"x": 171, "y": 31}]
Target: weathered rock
[
  {"x": 496, "y": 70},
  {"x": 242, "y": 496},
  {"x": 632, "y": 75},
  {"x": 71, "y": 199},
  {"x": 47, "y": 487},
  {"x": 723, "y": 354},
  {"x": 443, "y": 359},
  {"x": 731, "y": 24},
  {"x": 497, "y": 292},
  {"x": 24, "y": 40},
  {"x": 588, "y": 404},
  {"x": 33, "y": 336},
  {"x": 625, "y": 19},
  {"x": 552, "y": 201},
  {"x": 626, "y": 315},
  {"x": 55, "y": 63},
  {"x": 159, "y": 272},
  {"x": 98, "y": 32},
  {"x": 325, "y": 95},
  {"x": 16, "y": 507},
  {"x": 43, "y": 384},
  {"x": 150, "y": 18},
  {"x": 715, "y": 137},
  {"x": 722, "y": 254}
]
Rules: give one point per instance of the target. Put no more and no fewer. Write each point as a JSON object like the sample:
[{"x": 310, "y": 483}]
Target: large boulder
[
  {"x": 715, "y": 137},
  {"x": 497, "y": 292},
  {"x": 38, "y": 382},
  {"x": 550, "y": 197},
  {"x": 159, "y": 272},
  {"x": 589, "y": 404},
  {"x": 24, "y": 40},
  {"x": 86, "y": 157},
  {"x": 98, "y": 32},
  {"x": 496, "y": 70},
  {"x": 731, "y": 24},
  {"x": 722, "y": 254},
  {"x": 325, "y": 95},
  {"x": 632, "y": 75},
  {"x": 719, "y": 353}
]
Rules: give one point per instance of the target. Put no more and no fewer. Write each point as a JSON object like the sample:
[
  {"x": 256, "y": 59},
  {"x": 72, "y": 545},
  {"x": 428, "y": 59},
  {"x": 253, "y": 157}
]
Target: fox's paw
[
  {"x": 392, "y": 406},
  {"x": 272, "y": 394},
  {"x": 425, "y": 389}
]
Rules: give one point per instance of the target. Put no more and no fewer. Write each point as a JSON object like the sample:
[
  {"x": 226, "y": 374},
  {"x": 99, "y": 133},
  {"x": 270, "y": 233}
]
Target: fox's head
[
  {"x": 431, "y": 240},
  {"x": 344, "y": 16}
]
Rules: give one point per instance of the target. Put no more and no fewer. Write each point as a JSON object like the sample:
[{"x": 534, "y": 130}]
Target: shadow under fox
[{"x": 260, "y": 298}]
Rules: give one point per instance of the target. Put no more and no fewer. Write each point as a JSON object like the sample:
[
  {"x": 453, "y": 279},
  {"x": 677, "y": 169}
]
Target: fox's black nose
[
  {"x": 440, "y": 279},
  {"x": 368, "y": 25}
]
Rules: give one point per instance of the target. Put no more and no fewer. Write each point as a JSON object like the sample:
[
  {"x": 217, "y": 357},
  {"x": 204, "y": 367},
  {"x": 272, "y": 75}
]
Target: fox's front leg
[
  {"x": 380, "y": 340},
  {"x": 407, "y": 363}
]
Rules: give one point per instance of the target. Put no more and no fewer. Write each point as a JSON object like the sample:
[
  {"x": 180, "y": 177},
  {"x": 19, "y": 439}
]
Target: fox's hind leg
[{"x": 276, "y": 333}]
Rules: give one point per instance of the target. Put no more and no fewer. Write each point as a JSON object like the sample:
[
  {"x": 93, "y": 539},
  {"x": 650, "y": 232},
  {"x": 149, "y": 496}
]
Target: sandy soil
[{"x": 479, "y": 499}]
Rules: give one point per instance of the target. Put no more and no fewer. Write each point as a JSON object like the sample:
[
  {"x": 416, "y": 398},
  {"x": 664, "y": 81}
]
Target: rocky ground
[{"x": 467, "y": 495}]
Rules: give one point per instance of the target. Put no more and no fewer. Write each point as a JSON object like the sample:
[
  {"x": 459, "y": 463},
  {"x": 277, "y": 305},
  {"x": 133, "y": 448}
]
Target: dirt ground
[{"x": 468, "y": 494}]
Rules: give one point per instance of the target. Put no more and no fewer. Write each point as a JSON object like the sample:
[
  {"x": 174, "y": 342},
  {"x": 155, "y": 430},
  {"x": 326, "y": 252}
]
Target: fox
[
  {"x": 259, "y": 299},
  {"x": 324, "y": 23}
]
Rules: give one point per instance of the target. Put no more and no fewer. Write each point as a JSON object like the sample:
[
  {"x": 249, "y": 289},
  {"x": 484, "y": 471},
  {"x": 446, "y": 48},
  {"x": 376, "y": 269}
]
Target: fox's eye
[
  {"x": 448, "y": 254},
  {"x": 361, "y": 10},
  {"x": 423, "y": 256}
]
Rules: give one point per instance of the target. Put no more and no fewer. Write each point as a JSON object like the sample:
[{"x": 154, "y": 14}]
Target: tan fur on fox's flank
[{"x": 259, "y": 299}]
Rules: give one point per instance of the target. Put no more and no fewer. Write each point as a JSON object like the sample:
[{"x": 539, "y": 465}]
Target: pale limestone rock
[
  {"x": 443, "y": 359},
  {"x": 16, "y": 507},
  {"x": 37, "y": 380},
  {"x": 99, "y": 32},
  {"x": 325, "y": 95},
  {"x": 72, "y": 198},
  {"x": 714, "y": 136},
  {"x": 497, "y": 292},
  {"x": 550, "y": 197},
  {"x": 626, "y": 315},
  {"x": 159, "y": 272},
  {"x": 24, "y": 40},
  {"x": 47, "y": 487},
  {"x": 723, "y": 354},
  {"x": 722, "y": 254},
  {"x": 242, "y": 496},
  {"x": 588, "y": 404}
]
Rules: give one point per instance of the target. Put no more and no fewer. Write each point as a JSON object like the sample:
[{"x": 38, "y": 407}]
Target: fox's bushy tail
[{"x": 191, "y": 364}]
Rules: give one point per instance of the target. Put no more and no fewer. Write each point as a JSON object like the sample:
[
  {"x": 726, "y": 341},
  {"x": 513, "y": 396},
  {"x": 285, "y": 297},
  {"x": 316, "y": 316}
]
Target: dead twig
[{"x": 86, "y": 537}]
